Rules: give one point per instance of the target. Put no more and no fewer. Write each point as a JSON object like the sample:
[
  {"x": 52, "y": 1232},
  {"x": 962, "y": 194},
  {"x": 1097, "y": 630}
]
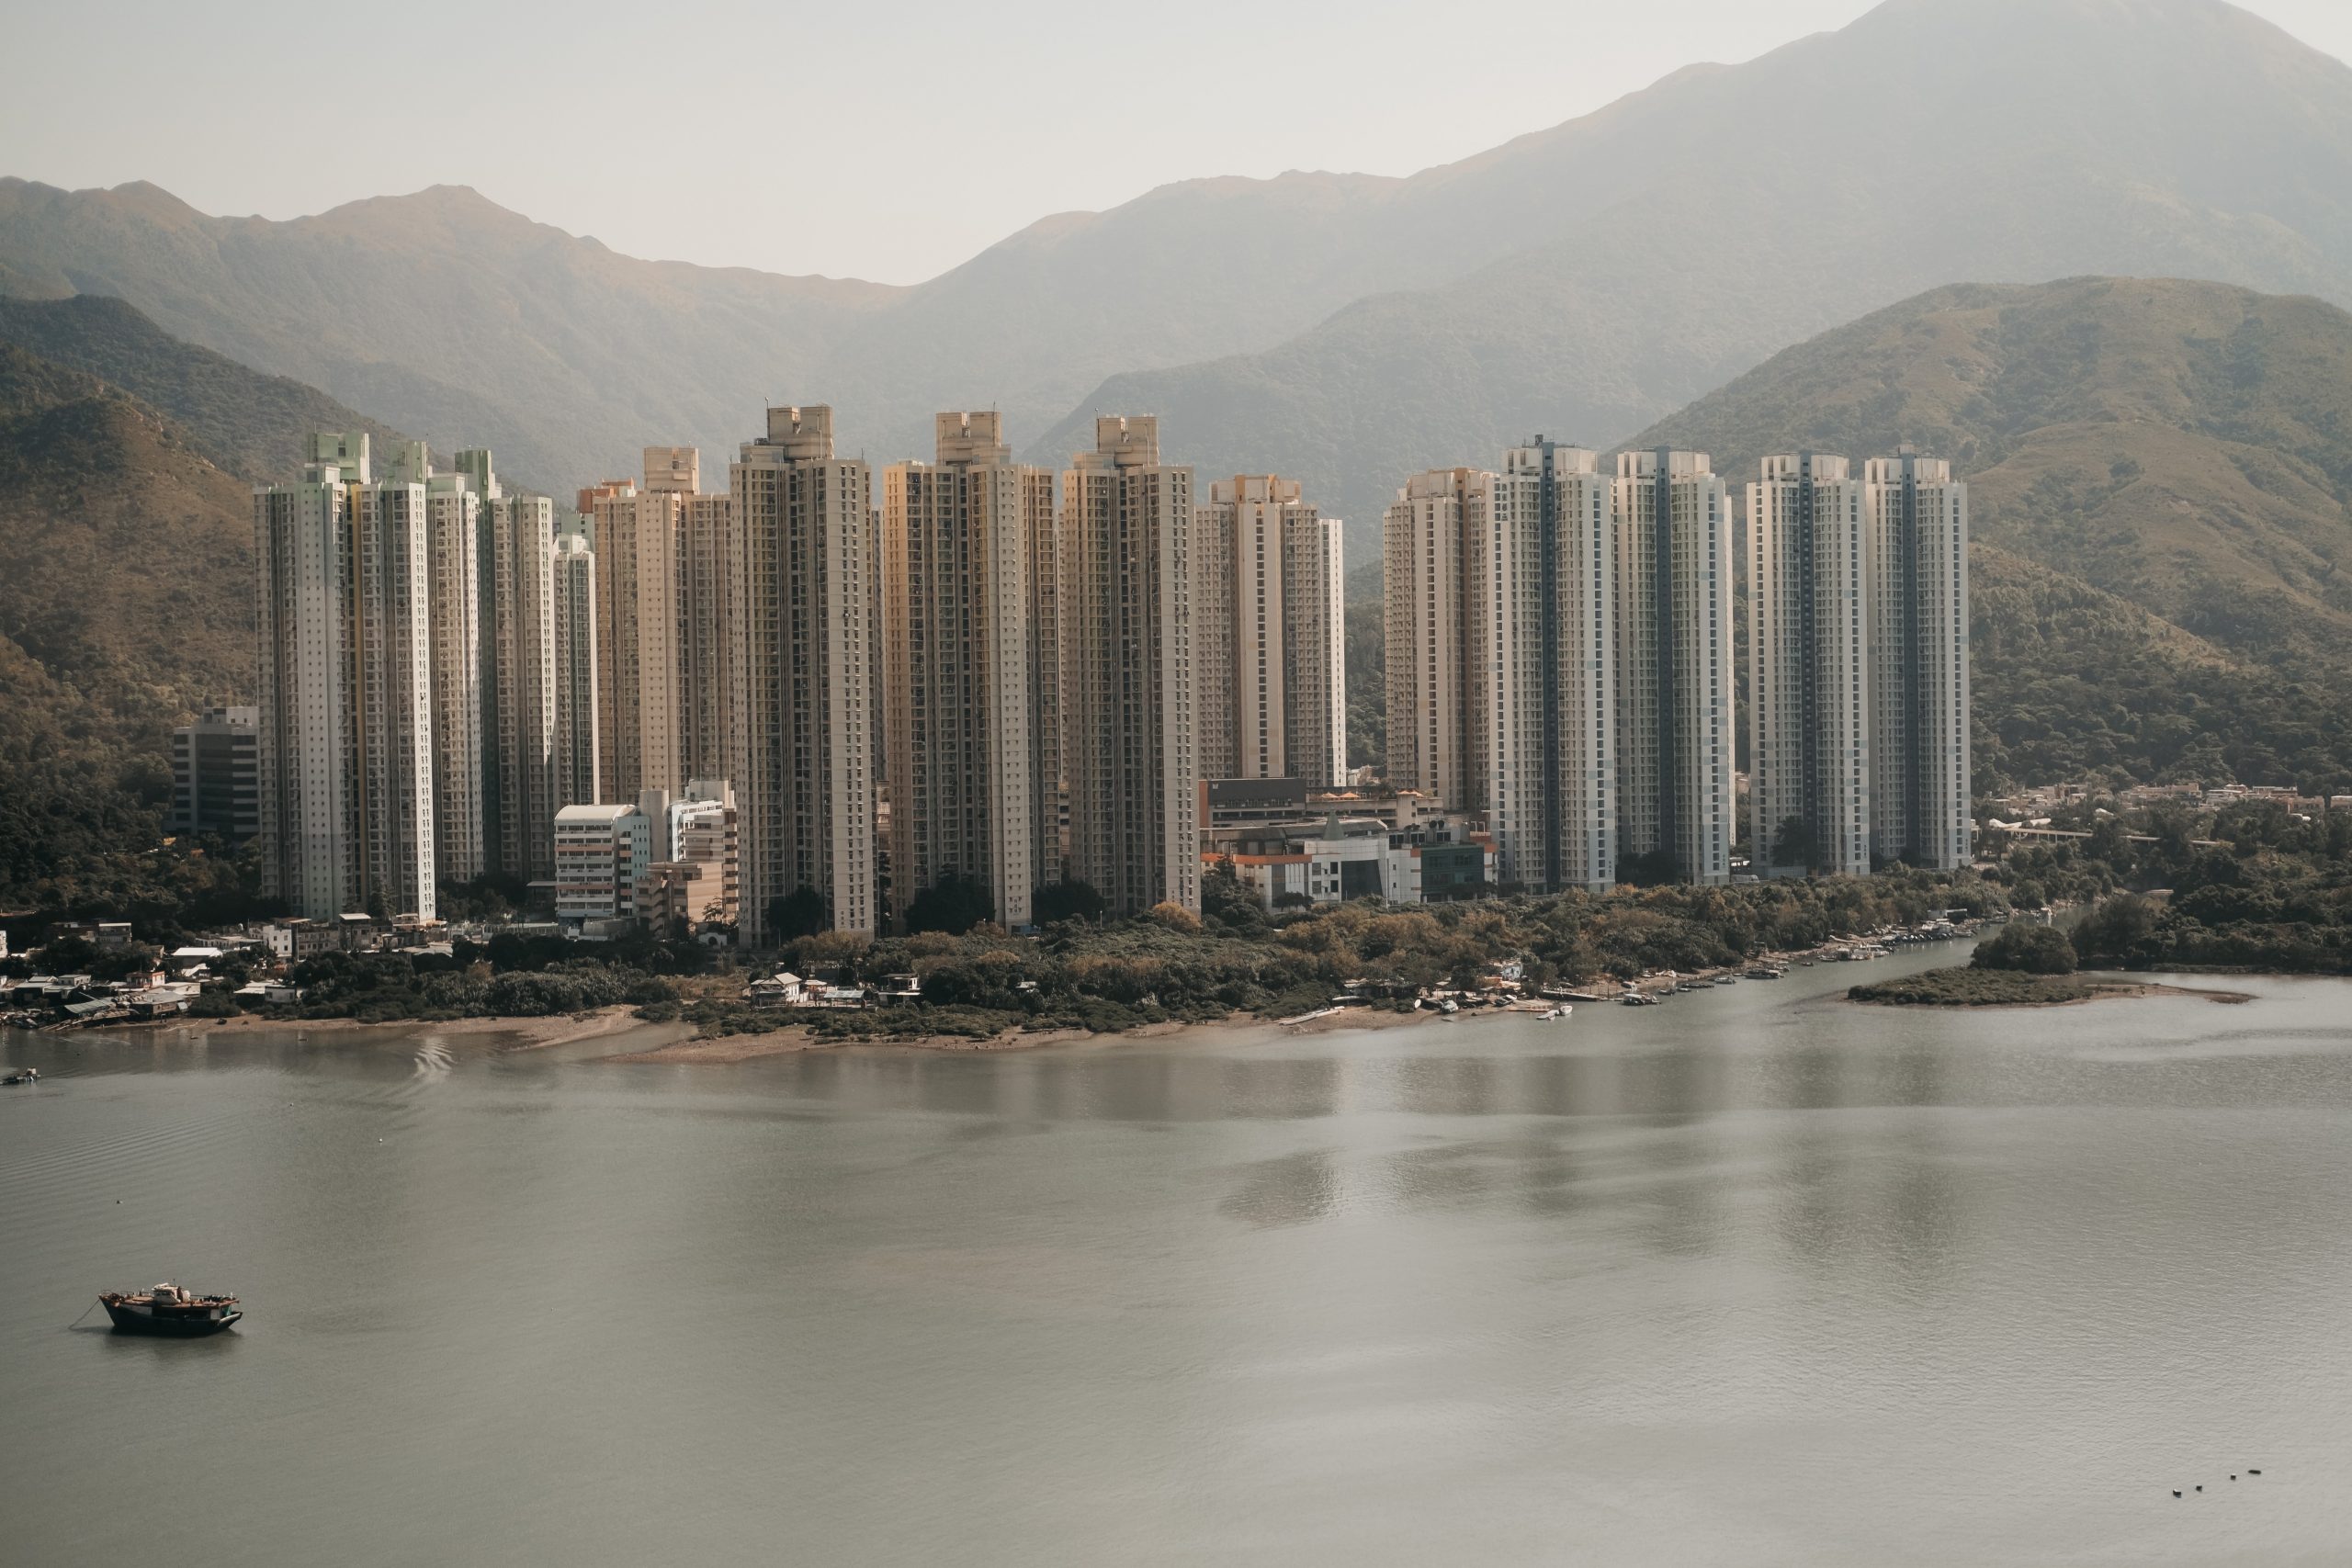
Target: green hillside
[
  {"x": 126, "y": 576},
  {"x": 2186, "y": 446},
  {"x": 246, "y": 422}
]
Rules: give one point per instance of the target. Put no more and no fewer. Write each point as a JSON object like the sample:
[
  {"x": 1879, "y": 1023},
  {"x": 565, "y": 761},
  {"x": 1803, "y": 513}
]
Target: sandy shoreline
[
  {"x": 530, "y": 1034},
  {"x": 726, "y": 1049}
]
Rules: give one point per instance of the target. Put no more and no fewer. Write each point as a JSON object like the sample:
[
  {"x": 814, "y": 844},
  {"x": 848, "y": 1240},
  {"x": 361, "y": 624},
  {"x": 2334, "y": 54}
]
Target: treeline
[{"x": 1171, "y": 967}]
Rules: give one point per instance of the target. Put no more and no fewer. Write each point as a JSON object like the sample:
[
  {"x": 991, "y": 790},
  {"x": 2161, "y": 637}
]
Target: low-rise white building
[{"x": 601, "y": 853}]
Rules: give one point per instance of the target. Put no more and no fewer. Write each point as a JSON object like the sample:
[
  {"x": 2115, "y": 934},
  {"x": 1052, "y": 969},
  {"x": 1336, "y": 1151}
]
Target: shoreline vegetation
[{"x": 1972, "y": 988}]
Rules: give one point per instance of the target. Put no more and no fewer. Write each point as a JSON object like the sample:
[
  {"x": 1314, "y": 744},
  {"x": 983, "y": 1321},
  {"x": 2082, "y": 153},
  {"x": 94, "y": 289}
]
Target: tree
[
  {"x": 1228, "y": 904},
  {"x": 1173, "y": 915},
  {"x": 1066, "y": 901},
  {"x": 2030, "y": 950},
  {"x": 953, "y": 904},
  {"x": 799, "y": 913},
  {"x": 1794, "y": 844}
]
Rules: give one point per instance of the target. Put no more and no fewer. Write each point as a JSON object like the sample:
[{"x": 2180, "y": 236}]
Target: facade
[
  {"x": 1500, "y": 605},
  {"x": 1675, "y": 691},
  {"x": 696, "y": 876},
  {"x": 966, "y": 666},
  {"x": 1424, "y": 535},
  {"x": 1129, "y": 729},
  {"x": 1330, "y": 861},
  {"x": 454, "y": 595},
  {"x": 666, "y": 556},
  {"x": 1540, "y": 581},
  {"x": 521, "y": 705},
  {"x": 1268, "y": 638},
  {"x": 575, "y": 754},
  {"x": 345, "y": 723},
  {"x": 1922, "y": 811},
  {"x": 803, "y": 703},
  {"x": 601, "y": 855},
  {"x": 216, "y": 775},
  {"x": 1813, "y": 590}
]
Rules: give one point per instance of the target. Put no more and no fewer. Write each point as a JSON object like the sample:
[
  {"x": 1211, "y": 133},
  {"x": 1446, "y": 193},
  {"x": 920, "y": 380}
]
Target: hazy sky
[{"x": 881, "y": 139}]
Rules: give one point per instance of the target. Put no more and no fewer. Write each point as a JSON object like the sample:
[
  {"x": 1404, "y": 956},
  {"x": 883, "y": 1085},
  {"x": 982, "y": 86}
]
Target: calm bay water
[{"x": 1754, "y": 1278}]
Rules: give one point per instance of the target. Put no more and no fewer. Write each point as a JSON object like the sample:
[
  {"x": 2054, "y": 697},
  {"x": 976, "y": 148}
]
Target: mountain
[
  {"x": 246, "y": 422},
  {"x": 2184, "y": 446},
  {"x": 125, "y": 575},
  {"x": 1703, "y": 223},
  {"x": 1582, "y": 281}
]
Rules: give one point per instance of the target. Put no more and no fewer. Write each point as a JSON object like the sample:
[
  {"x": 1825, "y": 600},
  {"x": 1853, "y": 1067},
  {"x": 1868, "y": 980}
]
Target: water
[{"x": 1756, "y": 1278}]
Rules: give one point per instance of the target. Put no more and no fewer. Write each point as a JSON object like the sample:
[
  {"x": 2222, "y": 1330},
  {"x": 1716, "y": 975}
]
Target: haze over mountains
[{"x": 1581, "y": 281}]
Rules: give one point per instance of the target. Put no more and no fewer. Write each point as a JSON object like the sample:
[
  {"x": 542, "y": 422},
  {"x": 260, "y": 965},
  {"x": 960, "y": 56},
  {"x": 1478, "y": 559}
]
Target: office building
[
  {"x": 803, "y": 701},
  {"x": 1812, "y": 592},
  {"x": 1269, "y": 635},
  {"x": 1922, "y": 808},
  {"x": 965, "y": 661},
  {"x": 216, "y": 775},
  {"x": 1129, "y": 729},
  {"x": 346, "y": 753},
  {"x": 1675, "y": 693}
]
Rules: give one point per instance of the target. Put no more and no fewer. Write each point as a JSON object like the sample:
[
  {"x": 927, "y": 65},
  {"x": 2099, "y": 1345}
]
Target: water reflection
[{"x": 1289, "y": 1190}]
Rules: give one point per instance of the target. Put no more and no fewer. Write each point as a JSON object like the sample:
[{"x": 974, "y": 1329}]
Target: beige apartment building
[
  {"x": 1922, "y": 808},
  {"x": 665, "y": 561},
  {"x": 804, "y": 703},
  {"x": 1500, "y": 604},
  {"x": 968, "y": 669},
  {"x": 1675, "y": 691},
  {"x": 1425, "y": 536},
  {"x": 1813, "y": 582},
  {"x": 1269, "y": 637},
  {"x": 1129, "y": 729},
  {"x": 454, "y": 597}
]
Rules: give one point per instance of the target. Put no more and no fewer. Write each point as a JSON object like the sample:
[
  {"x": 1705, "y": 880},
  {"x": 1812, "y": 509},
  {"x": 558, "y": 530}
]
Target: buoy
[{"x": 2176, "y": 1491}]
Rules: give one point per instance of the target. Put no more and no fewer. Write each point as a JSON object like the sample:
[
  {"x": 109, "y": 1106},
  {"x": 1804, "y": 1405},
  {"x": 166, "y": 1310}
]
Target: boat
[
  {"x": 170, "y": 1310},
  {"x": 1763, "y": 972},
  {"x": 1726, "y": 979},
  {"x": 31, "y": 1075},
  {"x": 1559, "y": 1012},
  {"x": 1637, "y": 1000}
]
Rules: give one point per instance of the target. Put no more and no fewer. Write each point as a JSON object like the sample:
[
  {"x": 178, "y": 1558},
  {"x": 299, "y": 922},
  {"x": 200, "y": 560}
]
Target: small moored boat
[
  {"x": 31, "y": 1075},
  {"x": 169, "y": 1310}
]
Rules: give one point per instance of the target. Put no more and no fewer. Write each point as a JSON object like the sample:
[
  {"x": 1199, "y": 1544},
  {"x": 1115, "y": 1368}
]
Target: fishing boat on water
[{"x": 169, "y": 1310}]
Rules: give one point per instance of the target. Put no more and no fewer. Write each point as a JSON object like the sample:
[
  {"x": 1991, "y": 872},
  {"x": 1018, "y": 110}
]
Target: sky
[{"x": 880, "y": 139}]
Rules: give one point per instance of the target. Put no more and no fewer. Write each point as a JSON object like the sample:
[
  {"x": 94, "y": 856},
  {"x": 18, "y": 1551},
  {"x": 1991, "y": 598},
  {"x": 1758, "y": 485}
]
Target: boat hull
[{"x": 131, "y": 1320}]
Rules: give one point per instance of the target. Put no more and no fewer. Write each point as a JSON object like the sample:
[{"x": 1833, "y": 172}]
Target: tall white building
[
  {"x": 1922, "y": 811},
  {"x": 966, "y": 657},
  {"x": 1270, "y": 638},
  {"x": 804, "y": 705},
  {"x": 1675, "y": 693},
  {"x": 575, "y": 747},
  {"x": 347, "y": 702},
  {"x": 455, "y": 611},
  {"x": 1129, "y": 729},
  {"x": 1813, "y": 593},
  {"x": 1540, "y": 588}
]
